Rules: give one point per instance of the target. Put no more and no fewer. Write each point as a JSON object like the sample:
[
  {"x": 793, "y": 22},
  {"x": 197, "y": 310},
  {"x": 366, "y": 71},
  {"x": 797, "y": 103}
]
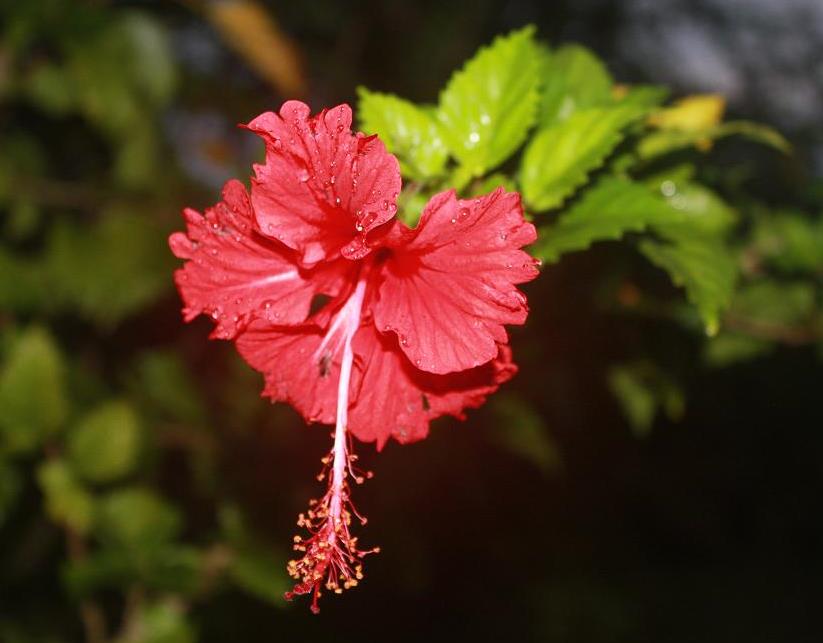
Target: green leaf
[
  {"x": 488, "y": 107},
  {"x": 642, "y": 390},
  {"x": 170, "y": 568},
  {"x": 33, "y": 402},
  {"x": 260, "y": 573},
  {"x": 136, "y": 518},
  {"x": 574, "y": 79},
  {"x": 699, "y": 207},
  {"x": 50, "y": 88},
  {"x": 150, "y": 61},
  {"x": 608, "y": 210},
  {"x": 727, "y": 349},
  {"x": 123, "y": 241},
  {"x": 105, "y": 444},
  {"x": 254, "y": 568},
  {"x": 520, "y": 429},
  {"x": 67, "y": 502},
  {"x": 160, "y": 622},
  {"x": 774, "y": 303},
  {"x": 560, "y": 157},
  {"x": 165, "y": 386},
  {"x": 669, "y": 140},
  {"x": 407, "y": 131},
  {"x": 790, "y": 241},
  {"x": 646, "y": 97},
  {"x": 491, "y": 183},
  {"x": 701, "y": 264}
]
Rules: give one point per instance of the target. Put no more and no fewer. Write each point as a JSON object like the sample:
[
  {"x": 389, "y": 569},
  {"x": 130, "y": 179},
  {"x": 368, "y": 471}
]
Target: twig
[
  {"x": 94, "y": 621},
  {"x": 757, "y": 328}
]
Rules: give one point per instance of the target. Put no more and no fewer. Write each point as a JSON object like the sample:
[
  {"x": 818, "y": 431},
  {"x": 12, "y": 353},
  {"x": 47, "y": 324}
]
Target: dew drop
[
  {"x": 303, "y": 175},
  {"x": 278, "y": 144},
  {"x": 338, "y": 201},
  {"x": 464, "y": 212},
  {"x": 385, "y": 205},
  {"x": 474, "y": 138}
]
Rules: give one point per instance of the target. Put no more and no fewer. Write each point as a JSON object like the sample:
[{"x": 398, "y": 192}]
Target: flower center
[{"x": 330, "y": 554}]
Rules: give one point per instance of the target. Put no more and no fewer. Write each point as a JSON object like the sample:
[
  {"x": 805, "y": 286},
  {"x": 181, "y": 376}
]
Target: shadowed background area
[{"x": 572, "y": 507}]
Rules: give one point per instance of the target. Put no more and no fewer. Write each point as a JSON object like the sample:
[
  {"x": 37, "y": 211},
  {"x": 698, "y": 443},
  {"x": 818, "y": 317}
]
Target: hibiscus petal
[
  {"x": 448, "y": 286},
  {"x": 322, "y": 188},
  {"x": 294, "y": 372},
  {"x": 235, "y": 274},
  {"x": 395, "y": 399},
  {"x": 389, "y": 397}
]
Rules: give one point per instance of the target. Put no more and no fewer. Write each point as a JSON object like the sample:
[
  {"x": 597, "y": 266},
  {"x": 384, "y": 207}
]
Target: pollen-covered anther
[{"x": 330, "y": 555}]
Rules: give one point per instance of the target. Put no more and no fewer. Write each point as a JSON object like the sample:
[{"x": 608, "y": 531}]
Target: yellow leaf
[{"x": 691, "y": 114}]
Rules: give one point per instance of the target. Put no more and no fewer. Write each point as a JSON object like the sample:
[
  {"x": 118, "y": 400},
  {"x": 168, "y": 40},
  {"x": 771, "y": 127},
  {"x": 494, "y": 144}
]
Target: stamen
[{"x": 331, "y": 558}]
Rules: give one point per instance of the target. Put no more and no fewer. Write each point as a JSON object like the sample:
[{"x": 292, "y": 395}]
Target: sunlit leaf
[
  {"x": 608, "y": 210},
  {"x": 560, "y": 157},
  {"x": 488, "y": 106},
  {"x": 698, "y": 206},
  {"x": 407, "y": 130},
  {"x": 573, "y": 79}
]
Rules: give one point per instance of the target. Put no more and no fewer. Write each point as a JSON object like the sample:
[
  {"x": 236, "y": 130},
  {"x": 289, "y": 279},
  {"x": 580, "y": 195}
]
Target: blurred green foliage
[{"x": 98, "y": 400}]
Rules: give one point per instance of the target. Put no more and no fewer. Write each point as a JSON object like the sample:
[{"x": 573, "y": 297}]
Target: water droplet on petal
[
  {"x": 303, "y": 175},
  {"x": 278, "y": 144},
  {"x": 338, "y": 201},
  {"x": 464, "y": 212}
]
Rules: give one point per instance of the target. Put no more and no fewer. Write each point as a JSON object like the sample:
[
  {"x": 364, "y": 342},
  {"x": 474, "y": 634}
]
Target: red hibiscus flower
[{"x": 355, "y": 319}]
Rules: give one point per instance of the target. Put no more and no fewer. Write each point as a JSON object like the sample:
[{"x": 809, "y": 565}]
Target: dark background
[{"x": 708, "y": 529}]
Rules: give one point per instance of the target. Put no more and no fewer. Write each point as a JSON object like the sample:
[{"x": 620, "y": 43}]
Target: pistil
[{"x": 330, "y": 557}]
